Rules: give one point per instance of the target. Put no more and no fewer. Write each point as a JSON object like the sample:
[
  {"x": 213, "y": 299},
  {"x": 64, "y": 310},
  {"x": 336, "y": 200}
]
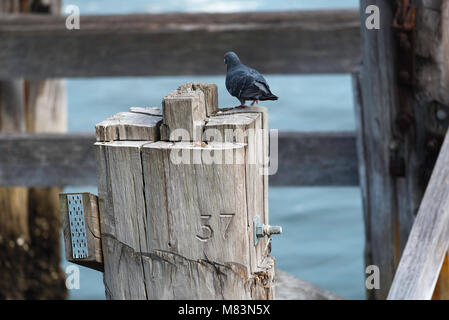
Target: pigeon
[{"x": 245, "y": 83}]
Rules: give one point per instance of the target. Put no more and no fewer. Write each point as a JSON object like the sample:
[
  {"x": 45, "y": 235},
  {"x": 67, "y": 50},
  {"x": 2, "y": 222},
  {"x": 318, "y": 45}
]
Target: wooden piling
[
  {"x": 177, "y": 220},
  {"x": 30, "y": 229},
  {"x": 399, "y": 95}
]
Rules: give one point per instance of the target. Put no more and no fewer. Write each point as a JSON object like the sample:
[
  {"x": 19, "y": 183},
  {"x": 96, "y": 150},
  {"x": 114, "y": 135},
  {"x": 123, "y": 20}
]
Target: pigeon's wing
[{"x": 256, "y": 85}]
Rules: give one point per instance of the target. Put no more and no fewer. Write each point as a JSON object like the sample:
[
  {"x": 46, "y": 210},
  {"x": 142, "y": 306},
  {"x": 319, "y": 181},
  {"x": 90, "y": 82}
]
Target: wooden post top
[{"x": 186, "y": 114}]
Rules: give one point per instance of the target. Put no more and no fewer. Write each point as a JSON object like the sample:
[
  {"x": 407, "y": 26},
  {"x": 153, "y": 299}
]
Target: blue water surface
[{"x": 323, "y": 227}]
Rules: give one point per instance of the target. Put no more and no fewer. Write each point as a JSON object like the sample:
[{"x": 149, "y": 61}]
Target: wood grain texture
[
  {"x": 144, "y": 255},
  {"x": 210, "y": 91},
  {"x": 249, "y": 126},
  {"x": 305, "y": 159},
  {"x": 182, "y": 212},
  {"x": 391, "y": 144},
  {"x": 122, "y": 217},
  {"x": 184, "y": 113},
  {"x": 294, "y": 42},
  {"x": 428, "y": 242},
  {"x": 94, "y": 259},
  {"x": 379, "y": 106},
  {"x": 129, "y": 126}
]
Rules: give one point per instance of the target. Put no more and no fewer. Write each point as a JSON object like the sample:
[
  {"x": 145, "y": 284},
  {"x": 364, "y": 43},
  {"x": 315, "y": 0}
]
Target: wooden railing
[
  {"x": 40, "y": 46},
  {"x": 34, "y": 46},
  {"x": 67, "y": 159}
]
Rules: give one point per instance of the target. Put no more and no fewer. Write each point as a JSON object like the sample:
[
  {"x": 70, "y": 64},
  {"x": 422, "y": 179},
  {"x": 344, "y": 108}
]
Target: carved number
[{"x": 208, "y": 232}]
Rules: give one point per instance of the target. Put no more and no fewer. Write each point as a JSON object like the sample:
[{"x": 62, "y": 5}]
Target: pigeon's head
[{"x": 231, "y": 59}]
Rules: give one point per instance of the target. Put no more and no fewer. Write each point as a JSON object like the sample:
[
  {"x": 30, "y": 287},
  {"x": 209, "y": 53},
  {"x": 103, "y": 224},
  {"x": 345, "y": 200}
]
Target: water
[{"x": 323, "y": 227}]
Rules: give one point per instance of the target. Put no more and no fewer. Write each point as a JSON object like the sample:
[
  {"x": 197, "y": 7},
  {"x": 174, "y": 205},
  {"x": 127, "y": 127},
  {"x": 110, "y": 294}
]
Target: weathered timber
[
  {"x": 152, "y": 111},
  {"x": 305, "y": 159},
  {"x": 184, "y": 113},
  {"x": 122, "y": 217},
  {"x": 170, "y": 231},
  {"x": 249, "y": 126},
  {"x": 91, "y": 223},
  {"x": 190, "y": 211},
  {"x": 428, "y": 241},
  {"x": 289, "y": 287},
  {"x": 129, "y": 126},
  {"x": 401, "y": 112},
  {"x": 153, "y": 44},
  {"x": 210, "y": 91}
]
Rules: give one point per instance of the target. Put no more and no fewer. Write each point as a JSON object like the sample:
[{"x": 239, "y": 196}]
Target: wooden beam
[
  {"x": 428, "y": 241},
  {"x": 316, "y": 159},
  {"x": 402, "y": 109},
  {"x": 47, "y": 159},
  {"x": 305, "y": 159},
  {"x": 155, "y": 44}
]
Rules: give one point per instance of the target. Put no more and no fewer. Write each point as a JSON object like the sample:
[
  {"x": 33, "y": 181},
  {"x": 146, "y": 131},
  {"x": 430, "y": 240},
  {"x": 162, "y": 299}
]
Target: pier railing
[{"x": 40, "y": 46}]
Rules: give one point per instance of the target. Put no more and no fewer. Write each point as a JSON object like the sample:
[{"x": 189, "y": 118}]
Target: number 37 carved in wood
[{"x": 207, "y": 221}]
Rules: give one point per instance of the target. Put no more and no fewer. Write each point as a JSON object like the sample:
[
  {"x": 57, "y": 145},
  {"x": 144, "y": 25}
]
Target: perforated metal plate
[{"x": 77, "y": 226}]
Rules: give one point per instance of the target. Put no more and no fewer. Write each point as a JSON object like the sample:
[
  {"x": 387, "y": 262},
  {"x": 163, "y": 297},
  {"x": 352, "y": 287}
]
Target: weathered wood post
[
  {"x": 185, "y": 218},
  {"x": 402, "y": 108}
]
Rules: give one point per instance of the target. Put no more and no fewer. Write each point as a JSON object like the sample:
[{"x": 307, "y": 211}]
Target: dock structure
[{"x": 401, "y": 106}]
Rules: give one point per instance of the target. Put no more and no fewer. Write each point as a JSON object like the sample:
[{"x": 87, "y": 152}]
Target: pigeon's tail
[{"x": 268, "y": 97}]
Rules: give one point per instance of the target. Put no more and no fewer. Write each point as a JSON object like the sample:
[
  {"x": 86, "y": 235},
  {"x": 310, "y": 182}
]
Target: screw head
[{"x": 441, "y": 115}]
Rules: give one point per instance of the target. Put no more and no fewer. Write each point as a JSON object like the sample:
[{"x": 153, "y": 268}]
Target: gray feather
[{"x": 245, "y": 83}]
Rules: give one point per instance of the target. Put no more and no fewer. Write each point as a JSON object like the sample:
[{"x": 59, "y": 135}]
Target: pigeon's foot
[
  {"x": 241, "y": 106},
  {"x": 254, "y": 101}
]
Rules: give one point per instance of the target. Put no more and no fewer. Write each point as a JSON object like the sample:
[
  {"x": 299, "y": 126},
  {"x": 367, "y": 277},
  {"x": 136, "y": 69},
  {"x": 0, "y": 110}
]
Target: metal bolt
[
  {"x": 394, "y": 145},
  {"x": 269, "y": 230},
  {"x": 262, "y": 230},
  {"x": 432, "y": 144},
  {"x": 441, "y": 115}
]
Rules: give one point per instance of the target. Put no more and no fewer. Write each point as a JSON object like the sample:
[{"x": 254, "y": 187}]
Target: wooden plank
[
  {"x": 379, "y": 106},
  {"x": 122, "y": 217},
  {"x": 154, "y": 44},
  {"x": 316, "y": 159},
  {"x": 305, "y": 159},
  {"x": 94, "y": 258},
  {"x": 47, "y": 159},
  {"x": 428, "y": 242}
]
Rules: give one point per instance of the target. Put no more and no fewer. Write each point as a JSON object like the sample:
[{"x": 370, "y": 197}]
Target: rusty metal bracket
[
  {"x": 404, "y": 26},
  {"x": 405, "y": 30}
]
